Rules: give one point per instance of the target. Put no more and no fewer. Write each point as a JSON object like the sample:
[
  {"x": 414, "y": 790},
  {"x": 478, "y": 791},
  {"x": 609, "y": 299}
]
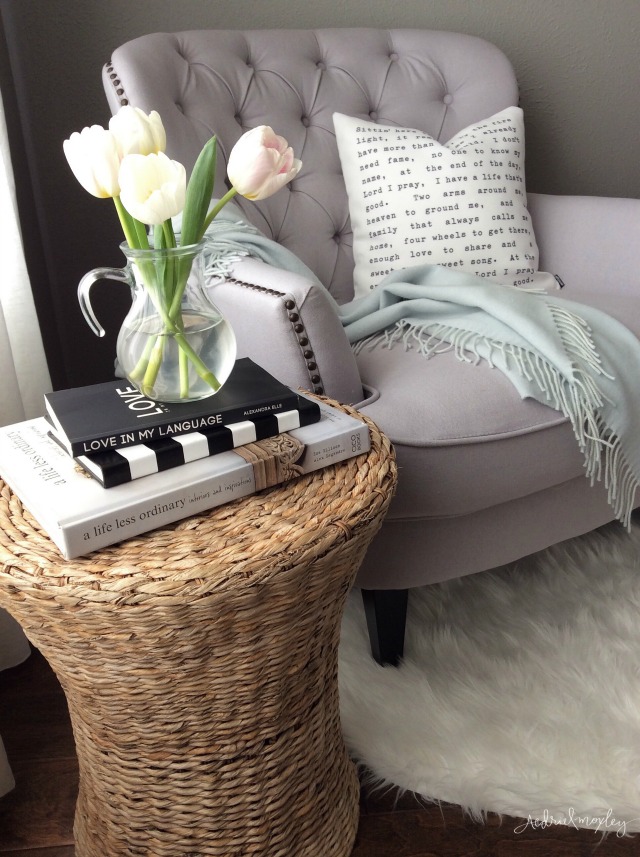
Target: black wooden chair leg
[{"x": 386, "y": 613}]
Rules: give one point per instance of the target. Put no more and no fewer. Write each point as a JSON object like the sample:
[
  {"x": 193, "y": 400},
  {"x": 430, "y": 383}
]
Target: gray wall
[{"x": 576, "y": 61}]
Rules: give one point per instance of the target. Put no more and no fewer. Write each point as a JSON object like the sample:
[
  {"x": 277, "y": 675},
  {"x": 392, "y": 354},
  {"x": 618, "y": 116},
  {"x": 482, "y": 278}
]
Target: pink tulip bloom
[{"x": 260, "y": 163}]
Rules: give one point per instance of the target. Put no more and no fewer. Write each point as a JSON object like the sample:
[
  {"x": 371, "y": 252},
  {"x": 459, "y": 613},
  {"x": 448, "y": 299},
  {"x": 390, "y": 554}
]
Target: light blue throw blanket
[
  {"x": 230, "y": 237},
  {"x": 569, "y": 356}
]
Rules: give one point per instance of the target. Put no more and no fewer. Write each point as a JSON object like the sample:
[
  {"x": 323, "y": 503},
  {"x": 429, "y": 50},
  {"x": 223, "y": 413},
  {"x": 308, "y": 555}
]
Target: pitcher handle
[{"x": 120, "y": 275}]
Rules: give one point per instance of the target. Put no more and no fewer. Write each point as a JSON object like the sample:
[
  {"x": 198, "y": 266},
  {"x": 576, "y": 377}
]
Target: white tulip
[
  {"x": 137, "y": 133},
  {"x": 93, "y": 156},
  {"x": 152, "y": 187}
]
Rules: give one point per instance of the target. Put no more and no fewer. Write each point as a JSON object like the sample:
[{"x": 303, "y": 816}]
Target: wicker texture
[{"x": 200, "y": 666}]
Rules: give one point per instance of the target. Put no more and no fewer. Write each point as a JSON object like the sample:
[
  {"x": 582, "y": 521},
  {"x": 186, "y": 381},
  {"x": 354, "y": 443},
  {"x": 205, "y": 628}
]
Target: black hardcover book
[
  {"x": 118, "y": 466},
  {"x": 115, "y": 414}
]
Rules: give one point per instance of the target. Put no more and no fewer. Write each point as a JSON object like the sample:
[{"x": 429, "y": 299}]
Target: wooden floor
[{"x": 36, "y": 819}]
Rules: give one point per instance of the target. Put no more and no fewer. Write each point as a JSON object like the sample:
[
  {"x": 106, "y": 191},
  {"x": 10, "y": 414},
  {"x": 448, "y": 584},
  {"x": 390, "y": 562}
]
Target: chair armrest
[
  {"x": 290, "y": 326},
  {"x": 592, "y": 243}
]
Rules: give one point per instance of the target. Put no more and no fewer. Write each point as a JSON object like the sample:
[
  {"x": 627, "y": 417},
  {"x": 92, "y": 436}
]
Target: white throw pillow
[{"x": 415, "y": 201}]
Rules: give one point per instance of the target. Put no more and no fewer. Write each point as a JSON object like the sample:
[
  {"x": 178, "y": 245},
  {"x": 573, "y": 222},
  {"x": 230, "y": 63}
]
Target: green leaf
[{"x": 199, "y": 192}]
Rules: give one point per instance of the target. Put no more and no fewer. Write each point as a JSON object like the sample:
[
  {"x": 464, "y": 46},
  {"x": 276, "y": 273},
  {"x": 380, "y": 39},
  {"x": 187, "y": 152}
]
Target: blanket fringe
[
  {"x": 577, "y": 397},
  {"x": 221, "y": 252}
]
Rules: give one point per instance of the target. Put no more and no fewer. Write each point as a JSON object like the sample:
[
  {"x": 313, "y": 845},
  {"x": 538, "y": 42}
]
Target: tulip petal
[{"x": 93, "y": 157}]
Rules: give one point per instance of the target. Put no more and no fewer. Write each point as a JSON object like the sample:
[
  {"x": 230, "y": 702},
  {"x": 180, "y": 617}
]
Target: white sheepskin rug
[{"x": 519, "y": 692}]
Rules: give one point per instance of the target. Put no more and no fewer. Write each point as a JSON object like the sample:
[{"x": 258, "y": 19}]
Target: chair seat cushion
[{"x": 464, "y": 439}]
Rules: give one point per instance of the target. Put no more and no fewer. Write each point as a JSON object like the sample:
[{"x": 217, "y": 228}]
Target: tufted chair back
[{"x": 227, "y": 82}]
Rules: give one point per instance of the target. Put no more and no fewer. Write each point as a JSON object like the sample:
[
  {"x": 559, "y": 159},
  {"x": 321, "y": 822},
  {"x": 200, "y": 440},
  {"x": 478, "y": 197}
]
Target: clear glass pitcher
[{"x": 174, "y": 344}]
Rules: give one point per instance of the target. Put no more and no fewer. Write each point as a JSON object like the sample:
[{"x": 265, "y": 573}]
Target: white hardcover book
[{"x": 80, "y": 516}]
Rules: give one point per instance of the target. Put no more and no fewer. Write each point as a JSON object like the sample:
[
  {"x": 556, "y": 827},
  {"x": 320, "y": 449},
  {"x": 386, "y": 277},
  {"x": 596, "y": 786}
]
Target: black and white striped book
[
  {"x": 115, "y": 414},
  {"x": 116, "y": 466}
]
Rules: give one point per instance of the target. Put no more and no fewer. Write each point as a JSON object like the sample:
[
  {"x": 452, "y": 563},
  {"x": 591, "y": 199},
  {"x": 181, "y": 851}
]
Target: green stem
[
  {"x": 203, "y": 371},
  {"x": 128, "y": 224},
  {"x": 169, "y": 234},
  {"x": 183, "y": 363},
  {"x": 182, "y": 275},
  {"x": 217, "y": 208},
  {"x": 153, "y": 366},
  {"x": 141, "y": 232},
  {"x": 141, "y": 366},
  {"x": 187, "y": 354}
]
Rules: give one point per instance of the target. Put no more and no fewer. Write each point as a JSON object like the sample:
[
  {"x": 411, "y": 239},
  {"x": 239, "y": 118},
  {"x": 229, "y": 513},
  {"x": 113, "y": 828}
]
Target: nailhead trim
[
  {"x": 117, "y": 84},
  {"x": 293, "y": 314}
]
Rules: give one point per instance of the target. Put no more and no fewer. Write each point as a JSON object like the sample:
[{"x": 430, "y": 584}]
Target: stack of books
[{"x": 105, "y": 463}]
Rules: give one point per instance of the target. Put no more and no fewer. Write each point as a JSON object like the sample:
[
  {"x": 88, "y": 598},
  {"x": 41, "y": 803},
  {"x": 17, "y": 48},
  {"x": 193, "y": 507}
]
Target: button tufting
[
  {"x": 321, "y": 65},
  {"x": 306, "y": 121},
  {"x": 393, "y": 57},
  {"x": 373, "y": 115},
  {"x": 448, "y": 99}
]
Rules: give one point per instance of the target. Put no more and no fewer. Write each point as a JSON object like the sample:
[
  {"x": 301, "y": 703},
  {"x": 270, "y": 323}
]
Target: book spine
[
  {"x": 116, "y": 467},
  {"x": 162, "y": 430},
  {"x": 255, "y": 468}
]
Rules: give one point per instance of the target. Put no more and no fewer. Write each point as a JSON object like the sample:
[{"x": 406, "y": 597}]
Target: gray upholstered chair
[{"x": 485, "y": 478}]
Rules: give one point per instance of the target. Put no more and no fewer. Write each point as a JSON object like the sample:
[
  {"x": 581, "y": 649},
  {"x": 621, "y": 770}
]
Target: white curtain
[
  {"x": 25, "y": 376},
  {"x": 14, "y": 649},
  {"x": 23, "y": 372}
]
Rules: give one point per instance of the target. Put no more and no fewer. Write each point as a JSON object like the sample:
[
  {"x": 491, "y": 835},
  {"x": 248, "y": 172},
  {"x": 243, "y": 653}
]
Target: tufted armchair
[{"x": 485, "y": 477}]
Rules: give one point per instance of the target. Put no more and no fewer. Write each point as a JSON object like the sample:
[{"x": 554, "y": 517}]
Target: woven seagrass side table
[{"x": 199, "y": 662}]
